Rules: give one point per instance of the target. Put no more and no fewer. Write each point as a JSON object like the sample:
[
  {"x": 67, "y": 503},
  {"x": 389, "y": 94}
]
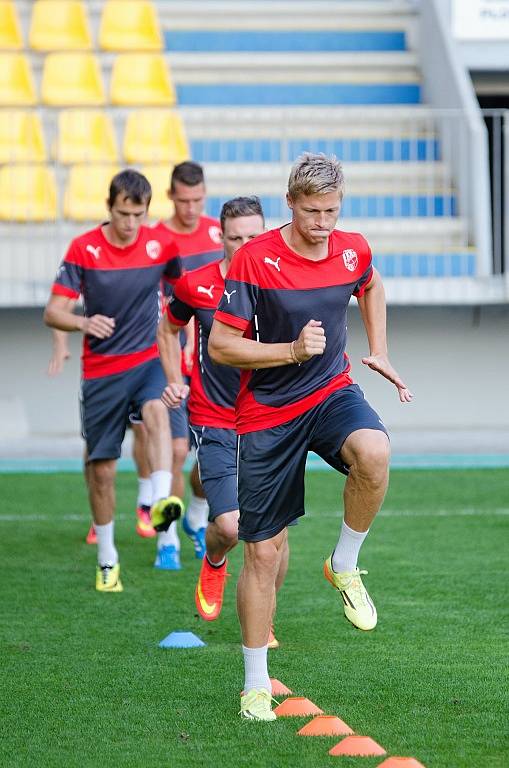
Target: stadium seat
[
  {"x": 129, "y": 25},
  {"x": 86, "y": 192},
  {"x": 21, "y": 137},
  {"x": 85, "y": 136},
  {"x": 16, "y": 83},
  {"x": 72, "y": 79},
  {"x": 59, "y": 25},
  {"x": 10, "y": 33},
  {"x": 159, "y": 178},
  {"x": 155, "y": 136},
  {"x": 141, "y": 79},
  {"x": 27, "y": 193}
]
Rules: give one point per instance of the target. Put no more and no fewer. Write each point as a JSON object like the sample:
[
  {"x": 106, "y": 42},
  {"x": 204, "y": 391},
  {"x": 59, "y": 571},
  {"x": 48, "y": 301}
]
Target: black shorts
[
  {"x": 108, "y": 402},
  {"x": 272, "y": 461},
  {"x": 216, "y": 453}
]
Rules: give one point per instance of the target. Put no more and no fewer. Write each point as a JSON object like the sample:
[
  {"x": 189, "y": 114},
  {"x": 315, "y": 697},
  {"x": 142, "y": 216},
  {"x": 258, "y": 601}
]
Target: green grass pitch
[{"x": 83, "y": 682}]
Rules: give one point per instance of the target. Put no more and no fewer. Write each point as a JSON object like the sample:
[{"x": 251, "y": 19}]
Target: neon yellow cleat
[
  {"x": 272, "y": 642},
  {"x": 255, "y": 705},
  {"x": 107, "y": 578},
  {"x": 357, "y": 604},
  {"x": 165, "y": 511}
]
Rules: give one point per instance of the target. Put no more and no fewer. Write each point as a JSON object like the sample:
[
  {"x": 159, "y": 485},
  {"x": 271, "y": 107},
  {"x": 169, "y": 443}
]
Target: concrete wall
[{"x": 454, "y": 359}]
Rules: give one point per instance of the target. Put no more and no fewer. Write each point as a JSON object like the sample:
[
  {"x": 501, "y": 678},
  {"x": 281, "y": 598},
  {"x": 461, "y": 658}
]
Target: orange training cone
[
  {"x": 297, "y": 706},
  {"x": 278, "y": 689},
  {"x": 325, "y": 725},
  {"x": 401, "y": 762},
  {"x": 357, "y": 746}
]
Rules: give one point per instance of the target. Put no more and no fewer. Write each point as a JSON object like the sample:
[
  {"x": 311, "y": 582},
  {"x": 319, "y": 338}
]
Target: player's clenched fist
[
  {"x": 100, "y": 326},
  {"x": 174, "y": 395},
  {"x": 311, "y": 341}
]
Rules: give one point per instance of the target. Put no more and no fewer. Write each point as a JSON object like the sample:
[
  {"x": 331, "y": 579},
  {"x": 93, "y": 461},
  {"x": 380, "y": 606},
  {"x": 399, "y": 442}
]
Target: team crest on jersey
[
  {"x": 215, "y": 234},
  {"x": 153, "y": 248},
  {"x": 350, "y": 259}
]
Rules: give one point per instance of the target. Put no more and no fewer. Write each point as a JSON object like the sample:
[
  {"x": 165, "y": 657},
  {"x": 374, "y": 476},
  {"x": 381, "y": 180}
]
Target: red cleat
[
  {"x": 91, "y": 535},
  {"x": 209, "y": 591},
  {"x": 143, "y": 524}
]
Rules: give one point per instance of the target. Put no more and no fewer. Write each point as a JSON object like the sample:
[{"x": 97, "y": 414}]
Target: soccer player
[
  {"x": 117, "y": 268},
  {"x": 282, "y": 320},
  {"x": 214, "y": 389},
  {"x": 198, "y": 239},
  {"x": 61, "y": 353}
]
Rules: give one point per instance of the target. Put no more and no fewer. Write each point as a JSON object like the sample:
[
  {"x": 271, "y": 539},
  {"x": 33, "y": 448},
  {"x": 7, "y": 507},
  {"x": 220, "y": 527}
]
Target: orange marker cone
[
  {"x": 278, "y": 689},
  {"x": 357, "y": 746},
  {"x": 325, "y": 725},
  {"x": 401, "y": 762},
  {"x": 297, "y": 706}
]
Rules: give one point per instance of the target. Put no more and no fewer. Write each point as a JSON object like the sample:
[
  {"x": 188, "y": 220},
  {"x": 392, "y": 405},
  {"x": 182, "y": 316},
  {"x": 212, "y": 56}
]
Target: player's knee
[
  {"x": 180, "y": 449},
  {"x": 262, "y": 557},
  {"x": 372, "y": 457},
  {"x": 228, "y": 527},
  {"x": 102, "y": 473},
  {"x": 155, "y": 413}
]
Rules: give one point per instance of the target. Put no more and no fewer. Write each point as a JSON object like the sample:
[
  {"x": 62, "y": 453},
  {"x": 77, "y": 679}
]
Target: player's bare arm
[
  {"x": 169, "y": 351},
  {"x": 60, "y": 353},
  {"x": 372, "y": 306},
  {"x": 228, "y": 346},
  {"x": 59, "y": 314},
  {"x": 188, "y": 350}
]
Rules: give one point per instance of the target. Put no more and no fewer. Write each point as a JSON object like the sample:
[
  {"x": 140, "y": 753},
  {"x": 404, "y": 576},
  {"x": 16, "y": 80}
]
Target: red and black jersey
[
  {"x": 122, "y": 283},
  {"x": 271, "y": 293},
  {"x": 195, "y": 248},
  {"x": 214, "y": 388}
]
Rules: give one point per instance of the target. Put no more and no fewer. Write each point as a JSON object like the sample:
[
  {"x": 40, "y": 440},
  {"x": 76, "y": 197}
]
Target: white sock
[
  {"x": 169, "y": 537},
  {"x": 197, "y": 513},
  {"x": 161, "y": 484},
  {"x": 144, "y": 492},
  {"x": 256, "y": 674},
  {"x": 106, "y": 552},
  {"x": 345, "y": 555}
]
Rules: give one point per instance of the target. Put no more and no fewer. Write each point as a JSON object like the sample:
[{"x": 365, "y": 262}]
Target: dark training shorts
[
  {"x": 108, "y": 402},
  {"x": 272, "y": 461},
  {"x": 216, "y": 453}
]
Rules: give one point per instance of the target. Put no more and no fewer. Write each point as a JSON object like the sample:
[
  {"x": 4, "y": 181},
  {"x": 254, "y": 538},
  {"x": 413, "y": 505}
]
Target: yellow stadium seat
[
  {"x": 129, "y": 25},
  {"x": 21, "y": 138},
  {"x": 59, "y": 25},
  {"x": 16, "y": 83},
  {"x": 155, "y": 136},
  {"x": 85, "y": 136},
  {"x": 86, "y": 192},
  {"x": 27, "y": 193},
  {"x": 159, "y": 178},
  {"x": 141, "y": 79},
  {"x": 72, "y": 79},
  {"x": 10, "y": 33}
]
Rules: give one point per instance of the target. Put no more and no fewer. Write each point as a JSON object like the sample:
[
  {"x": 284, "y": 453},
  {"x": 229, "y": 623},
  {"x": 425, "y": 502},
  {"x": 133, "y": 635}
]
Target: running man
[
  {"x": 214, "y": 389},
  {"x": 282, "y": 320},
  {"x": 198, "y": 239},
  {"x": 117, "y": 268}
]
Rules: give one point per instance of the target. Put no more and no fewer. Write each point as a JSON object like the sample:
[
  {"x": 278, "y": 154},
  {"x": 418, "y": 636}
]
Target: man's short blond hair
[{"x": 315, "y": 175}]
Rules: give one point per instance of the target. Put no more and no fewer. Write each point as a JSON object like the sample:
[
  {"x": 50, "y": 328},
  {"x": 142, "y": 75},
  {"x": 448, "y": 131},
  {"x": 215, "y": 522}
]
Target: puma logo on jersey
[
  {"x": 273, "y": 263},
  {"x": 208, "y": 291},
  {"x": 96, "y": 252},
  {"x": 229, "y": 295}
]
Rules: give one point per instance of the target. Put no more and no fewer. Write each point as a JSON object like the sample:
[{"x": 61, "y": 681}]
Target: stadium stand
[
  {"x": 159, "y": 178},
  {"x": 85, "y": 136},
  {"x": 21, "y": 137},
  {"x": 155, "y": 136},
  {"x": 129, "y": 25},
  {"x": 86, "y": 190},
  {"x": 16, "y": 82},
  {"x": 60, "y": 25},
  {"x": 244, "y": 94},
  {"x": 27, "y": 193},
  {"x": 141, "y": 79},
  {"x": 10, "y": 30}
]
